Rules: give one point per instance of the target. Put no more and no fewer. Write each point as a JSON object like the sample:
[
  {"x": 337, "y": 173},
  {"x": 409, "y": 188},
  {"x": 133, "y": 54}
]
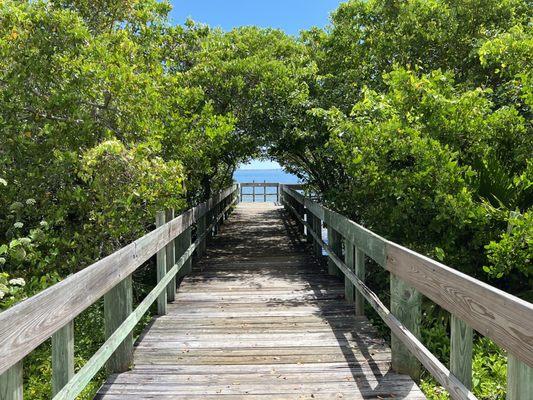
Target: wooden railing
[
  {"x": 51, "y": 313},
  {"x": 264, "y": 195},
  {"x": 504, "y": 318}
]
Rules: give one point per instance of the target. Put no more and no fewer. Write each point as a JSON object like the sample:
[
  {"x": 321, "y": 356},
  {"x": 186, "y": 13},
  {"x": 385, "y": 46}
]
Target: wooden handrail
[
  {"x": 498, "y": 315},
  {"x": 29, "y": 323}
]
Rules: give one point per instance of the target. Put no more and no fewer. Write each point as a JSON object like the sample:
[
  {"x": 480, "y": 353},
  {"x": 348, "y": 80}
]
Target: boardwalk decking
[{"x": 261, "y": 320}]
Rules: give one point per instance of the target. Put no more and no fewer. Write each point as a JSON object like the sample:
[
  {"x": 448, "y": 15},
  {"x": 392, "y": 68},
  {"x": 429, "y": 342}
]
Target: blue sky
[
  {"x": 292, "y": 16},
  {"x": 289, "y": 15}
]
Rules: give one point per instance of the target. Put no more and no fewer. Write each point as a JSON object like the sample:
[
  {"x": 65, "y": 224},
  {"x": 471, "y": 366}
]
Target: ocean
[{"x": 262, "y": 175}]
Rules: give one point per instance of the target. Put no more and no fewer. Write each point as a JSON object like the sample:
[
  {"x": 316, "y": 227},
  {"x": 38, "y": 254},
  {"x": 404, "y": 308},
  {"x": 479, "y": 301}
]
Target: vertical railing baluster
[
  {"x": 335, "y": 243},
  {"x": 406, "y": 306},
  {"x": 200, "y": 229},
  {"x": 360, "y": 271},
  {"x": 118, "y": 305},
  {"x": 170, "y": 257},
  {"x": 317, "y": 228},
  {"x": 11, "y": 383},
  {"x": 461, "y": 337},
  {"x": 62, "y": 357},
  {"x": 519, "y": 379},
  {"x": 349, "y": 288},
  {"x": 161, "y": 268}
]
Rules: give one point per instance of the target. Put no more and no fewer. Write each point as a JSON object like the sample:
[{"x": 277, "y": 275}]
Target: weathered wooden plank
[
  {"x": 371, "y": 244},
  {"x": 11, "y": 383},
  {"x": 200, "y": 229},
  {"x": 335, "y": 243},
  {"x": 29, "y": 323},
  {"x": 349, "y": 288},
  {"x": 170, "y": 259},
  {"x": 318, "y": 231},
  {"x": 161, "y": 267},
  {"x": 519, "y": 379},
  {"x": 118, "y": 305},
  {"x": 183, "y": 243},
  {"x": 258, "y": 321},
  {"x": 411, "y": 342},
  {"x": 62, "y": 357},
  {"x": 461, "y": 341},
  {"x": 504, "y": 318},
  {"x": 360, "y": 272},
  {"x": 406, "y": 306},
  {"x": 87, "y": 372}
]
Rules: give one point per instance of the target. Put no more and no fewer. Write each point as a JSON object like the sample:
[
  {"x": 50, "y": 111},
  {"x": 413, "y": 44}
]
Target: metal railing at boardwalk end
[{"x": 262, "y": 191}]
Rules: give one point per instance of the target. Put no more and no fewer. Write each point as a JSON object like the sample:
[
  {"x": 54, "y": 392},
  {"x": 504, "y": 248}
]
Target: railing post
[
  {"x": 118, "y": 305},
  {"x": 278, "y": 194},
  {"x": 360, "y": 271},
  {"x": 519, "y": 379},
  {"x": 214, "y": 219},
  {"x": 183, "y": 242},
  {"x": 253, "y": 192},
  {"x": 170, "y": 257},
  {"x": 200, "y": 229},
  {"x": 349, "y": 288},
  {"x": 335, "y": 243},
  {"x": 309, "y": 220},
  {"x": 265, "y": 192},
  {"x": 461, "y": 351},
  {"x": 406, "y": 306},
  {"x": 317, "y": 228},
  {"x": 161, "y": 268},
  {"x": 62, "y": 357},
  {"x": 11, "y": 382}
]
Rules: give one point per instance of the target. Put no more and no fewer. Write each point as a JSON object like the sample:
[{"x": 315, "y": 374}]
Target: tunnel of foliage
[{"x": 410, "y": 117}]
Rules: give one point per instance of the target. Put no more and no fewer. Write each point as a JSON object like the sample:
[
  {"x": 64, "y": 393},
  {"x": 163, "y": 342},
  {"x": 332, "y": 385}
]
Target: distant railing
[
  {"x": 504, "y": 318},
  {"x": 262, "y": 195},
  {"x": 51, "y": 313}
]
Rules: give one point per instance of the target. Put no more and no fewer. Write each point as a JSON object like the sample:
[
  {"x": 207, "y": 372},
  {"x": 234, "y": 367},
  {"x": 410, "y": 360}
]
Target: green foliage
[
  {"x": 513, "y": 250},
  {"x": 413, "y": 118}
]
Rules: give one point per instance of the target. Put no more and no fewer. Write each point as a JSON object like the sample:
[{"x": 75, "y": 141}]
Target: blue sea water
[{"x": 262, "y": 175}]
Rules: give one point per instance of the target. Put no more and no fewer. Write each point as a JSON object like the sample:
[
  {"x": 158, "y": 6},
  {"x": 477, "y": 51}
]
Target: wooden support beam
[
  {"x": 461, "y": 337},
  {"x": 200, "y": 229},
  {"x": 349, "y": 288},
  {"x": 184, "y": 242},
  {"x": 118, "y": 305},
  {"x": 519, "y": 379},
  {"x": 161, "y": 268},
  {"x": 170, "y": 259},
  {"x": 406, "y": 307},
  {"x": 360, "y": 272},
  {"x": 317, "y": 228},
  {"x": 335, "y": 242},
  {"x": 62, "y": 357},
  {"x": 11, "y": 382}
]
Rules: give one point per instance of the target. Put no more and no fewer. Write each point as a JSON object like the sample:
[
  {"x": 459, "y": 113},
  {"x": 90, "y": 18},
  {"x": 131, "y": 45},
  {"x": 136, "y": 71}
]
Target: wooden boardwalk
[{"x": 260, "y": 319}]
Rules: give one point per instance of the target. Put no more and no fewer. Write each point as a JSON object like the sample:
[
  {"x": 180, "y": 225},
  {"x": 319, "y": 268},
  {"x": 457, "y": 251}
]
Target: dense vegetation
[{"x": 411, "y": 117}]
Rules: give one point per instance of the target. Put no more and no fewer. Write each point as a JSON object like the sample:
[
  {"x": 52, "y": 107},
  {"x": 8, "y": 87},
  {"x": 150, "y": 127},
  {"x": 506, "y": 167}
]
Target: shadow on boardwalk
[{"x": 260, "y": 318}]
